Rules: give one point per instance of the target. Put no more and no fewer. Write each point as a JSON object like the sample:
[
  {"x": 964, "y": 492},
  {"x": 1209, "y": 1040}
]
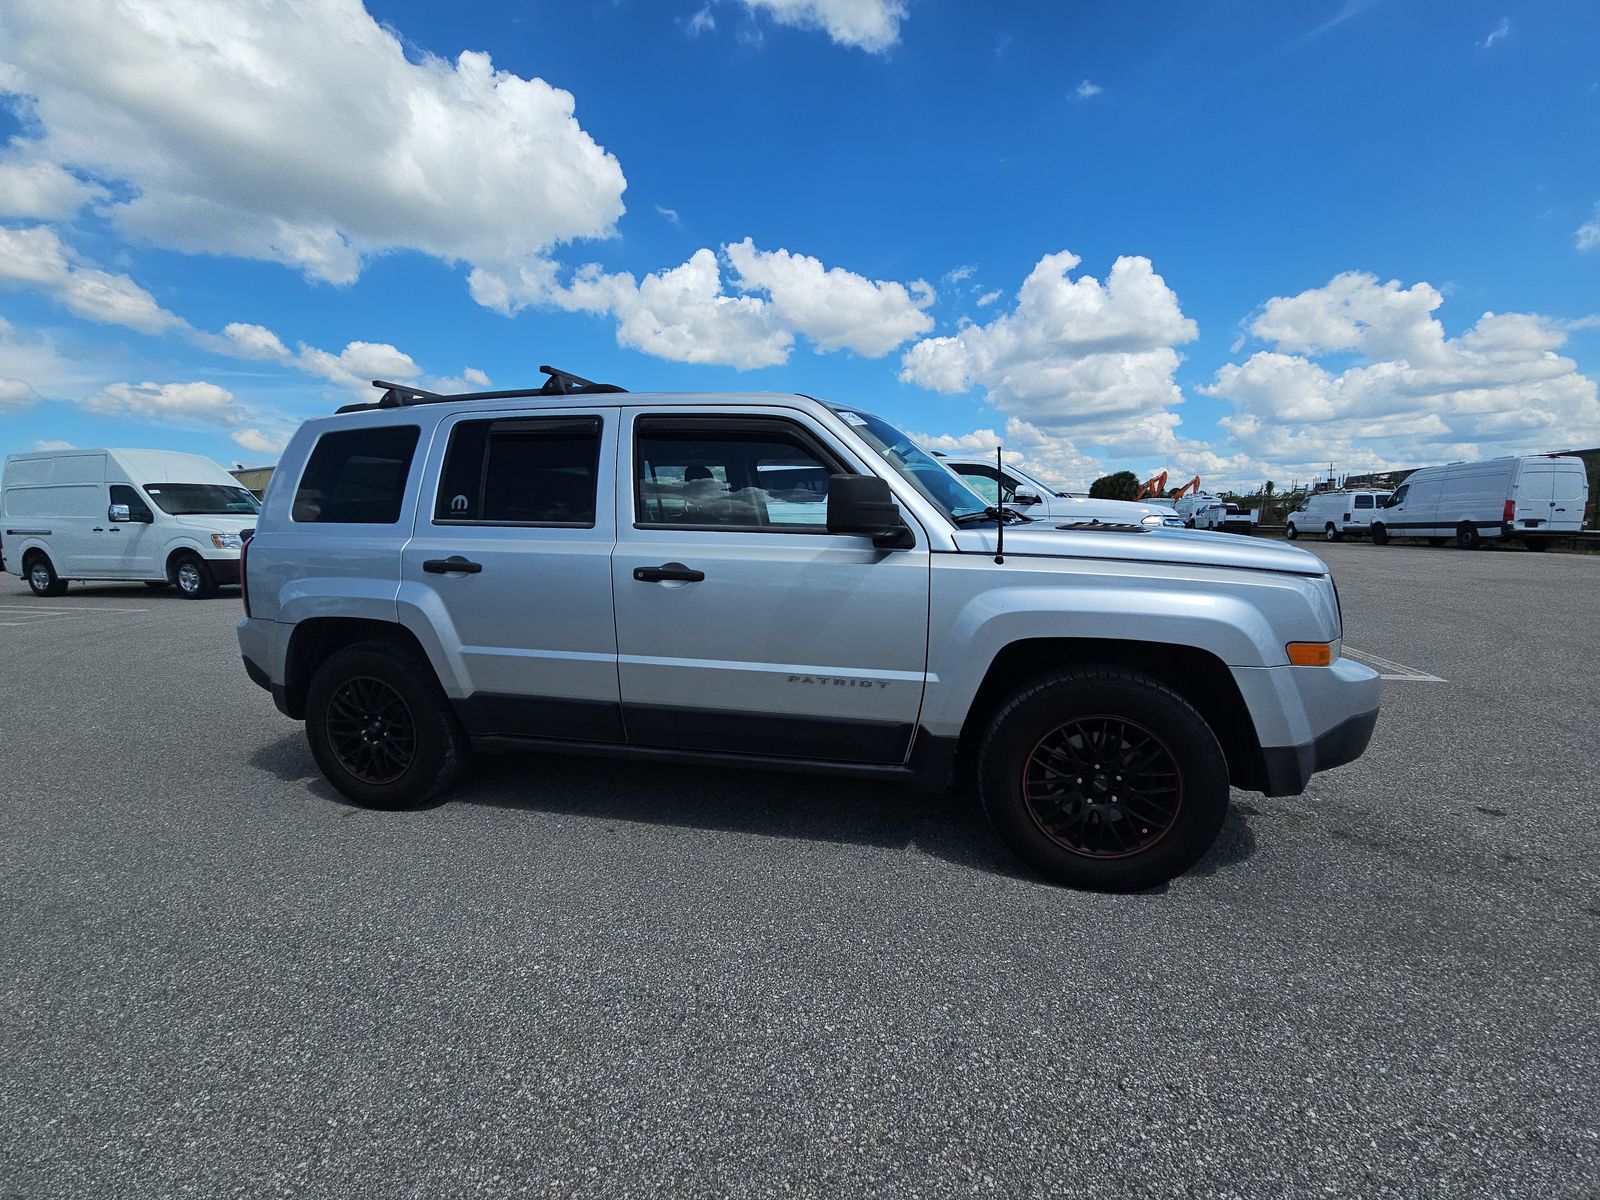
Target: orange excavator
[
  {"x": 1151, "y": 486},
  {"x": 1192, "y": 486}
]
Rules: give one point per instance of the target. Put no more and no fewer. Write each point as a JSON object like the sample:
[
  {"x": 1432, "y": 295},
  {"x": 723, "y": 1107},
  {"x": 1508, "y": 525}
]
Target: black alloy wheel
[
  {"x": 1103, "y": 777},
  {"x": 1103, "y": 787},
  {"x": 371, "y": 730},
  {"x": 381, "y": 728}
]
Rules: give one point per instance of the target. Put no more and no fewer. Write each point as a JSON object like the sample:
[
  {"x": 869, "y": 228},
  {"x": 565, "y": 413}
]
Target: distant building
[{"x": 254, "y": 478}]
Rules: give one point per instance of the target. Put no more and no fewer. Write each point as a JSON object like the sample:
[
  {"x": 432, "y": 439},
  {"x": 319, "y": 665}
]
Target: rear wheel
[
  {"x": 381, "y": 728},
  {"x": 42, "y": 577},
  {"x": 1290, "y": 532},
  {"x": 1467, "y": 537},
  {"x": 1103, "y": 778},
  {"x": 1380, "y": 534},
  {"x": 193, "y": 577},
  {"x": 1331, "y": 534}
]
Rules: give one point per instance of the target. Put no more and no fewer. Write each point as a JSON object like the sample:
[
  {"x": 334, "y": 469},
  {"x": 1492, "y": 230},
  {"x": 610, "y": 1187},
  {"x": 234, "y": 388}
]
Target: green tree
[{"x": 1122, "y": 485}]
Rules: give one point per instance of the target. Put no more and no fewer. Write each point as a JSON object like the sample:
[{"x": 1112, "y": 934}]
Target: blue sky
[{"x": 1238, "y": 240}]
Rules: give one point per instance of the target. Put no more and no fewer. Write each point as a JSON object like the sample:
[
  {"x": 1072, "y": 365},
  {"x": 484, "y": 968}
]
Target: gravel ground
[{"x": 596, "y": 978}]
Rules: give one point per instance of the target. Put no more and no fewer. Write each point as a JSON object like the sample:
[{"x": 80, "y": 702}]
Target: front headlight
[
  {"x": 227, "y": 541},
  {"x": 1151, "y": 519}
]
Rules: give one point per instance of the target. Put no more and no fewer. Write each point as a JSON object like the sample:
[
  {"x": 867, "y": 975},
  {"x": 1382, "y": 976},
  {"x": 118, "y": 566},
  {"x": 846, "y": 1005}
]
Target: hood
[
  {"x": 1182, "y": 547},
  {"x": 210, "y": 523}
]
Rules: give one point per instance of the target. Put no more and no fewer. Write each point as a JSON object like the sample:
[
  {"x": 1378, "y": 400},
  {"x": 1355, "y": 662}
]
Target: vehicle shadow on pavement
[{"x": 949, "y": 826}]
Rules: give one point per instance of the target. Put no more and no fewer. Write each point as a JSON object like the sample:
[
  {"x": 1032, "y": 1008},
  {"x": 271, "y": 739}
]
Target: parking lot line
[
  {"x": 1387, "y": 668},
  {"x": 39, "y": 610}
]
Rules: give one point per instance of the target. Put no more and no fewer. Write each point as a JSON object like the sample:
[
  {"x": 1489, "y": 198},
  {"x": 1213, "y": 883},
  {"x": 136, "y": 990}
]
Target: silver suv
[{"x": 772, "y": 580}]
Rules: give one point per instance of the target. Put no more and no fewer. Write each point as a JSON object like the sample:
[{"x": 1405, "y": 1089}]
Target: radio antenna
[{"x": 999, "y": 510}]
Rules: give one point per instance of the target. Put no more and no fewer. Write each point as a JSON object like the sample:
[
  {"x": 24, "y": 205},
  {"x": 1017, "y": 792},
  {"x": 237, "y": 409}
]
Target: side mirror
[
  {"x": 118, "y": 512},
  {"x": 1024, "y": 499},
  {"x": 863, "y": 504}
]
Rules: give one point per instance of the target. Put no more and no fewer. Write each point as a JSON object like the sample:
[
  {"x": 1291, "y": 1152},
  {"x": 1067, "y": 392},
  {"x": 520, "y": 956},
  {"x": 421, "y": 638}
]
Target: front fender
[{"x": 1244, "y": 619}]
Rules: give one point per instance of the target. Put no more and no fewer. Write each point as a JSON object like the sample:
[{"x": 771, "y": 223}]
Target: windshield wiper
[{"x": 1008, "y": 515}]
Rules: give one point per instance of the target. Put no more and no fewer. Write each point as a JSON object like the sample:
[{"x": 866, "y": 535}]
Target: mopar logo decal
[
  {"x": 459, "y": 504},
  {"x": 835, "y": 681}
]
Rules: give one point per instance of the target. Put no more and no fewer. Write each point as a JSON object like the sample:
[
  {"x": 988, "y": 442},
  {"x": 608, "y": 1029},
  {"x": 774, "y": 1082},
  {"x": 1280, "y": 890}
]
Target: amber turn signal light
[{"x": 1311, "y": 654}]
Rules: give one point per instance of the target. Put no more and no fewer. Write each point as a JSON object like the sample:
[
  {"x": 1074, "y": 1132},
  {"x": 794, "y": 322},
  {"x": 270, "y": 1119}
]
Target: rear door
[
  {"x": 509, "y": 568},
  {"x": 743, "y": 626},
  {"x": 1551, "y": 494}
]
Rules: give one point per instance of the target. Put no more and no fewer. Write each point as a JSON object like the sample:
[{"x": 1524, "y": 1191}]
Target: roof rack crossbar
[{"x": 559, "y": 383}]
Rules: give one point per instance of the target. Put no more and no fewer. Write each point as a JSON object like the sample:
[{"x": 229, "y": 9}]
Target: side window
[
  {"x": 1400, "y": 495},
  {"x": 357, "y": 476},
  {"x": 1363, "y": 501},
  {"x": 521, "y": 471},
  {"x": 981, "y": 480},
  {"x": 121, "y": 493},
  {"x": 750, "y": 473}
]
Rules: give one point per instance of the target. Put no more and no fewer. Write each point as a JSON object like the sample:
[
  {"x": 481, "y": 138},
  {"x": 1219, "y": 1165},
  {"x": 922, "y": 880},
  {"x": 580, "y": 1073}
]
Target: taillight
[
  {"x": 1510, "y": 513},
  {"x": 247, "y": 536}
]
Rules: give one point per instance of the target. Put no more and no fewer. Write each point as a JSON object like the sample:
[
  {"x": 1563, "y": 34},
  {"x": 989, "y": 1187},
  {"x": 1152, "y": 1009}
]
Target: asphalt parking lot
[{"x": 596, "y": 978}]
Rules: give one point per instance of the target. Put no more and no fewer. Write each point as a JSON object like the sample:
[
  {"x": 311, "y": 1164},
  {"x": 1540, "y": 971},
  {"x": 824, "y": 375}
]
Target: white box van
[
  {"x": 1531, "y": 500},
  {"x": 151, "y": 515},
  {"x": 1335, "y": 514}
]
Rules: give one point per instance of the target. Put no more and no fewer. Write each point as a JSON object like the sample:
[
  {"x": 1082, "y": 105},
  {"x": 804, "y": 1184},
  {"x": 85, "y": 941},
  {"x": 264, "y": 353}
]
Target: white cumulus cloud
[
  {"x": 259, "y": 441},
  {"x": 1589, "y": 232},
  {"x": 1412, "y": 394},
  {"x": 35, "y": 188},
  {"x": 197, "y": 401},
  {"x": 872, "y": 25},
  {"x": 35, "y": 257},
  {"x": 358, "y": 364},
  {"x": 1087, "y": 90},
  {"x": 302, "y": 133},
  {"x": 1075, "y": 357},
  {"x": 691, "y": 313}
]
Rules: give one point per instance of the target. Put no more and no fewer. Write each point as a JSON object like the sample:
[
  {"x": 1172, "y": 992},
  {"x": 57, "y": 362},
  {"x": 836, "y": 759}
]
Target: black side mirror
[{"x": 864, "y": 504}]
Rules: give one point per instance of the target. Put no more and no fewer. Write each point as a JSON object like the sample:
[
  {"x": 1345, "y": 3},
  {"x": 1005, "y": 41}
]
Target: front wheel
[
  {"x": 381, "y": 728},
  {"x": 1290, "y": 532},
  {"x": 1380, "y": 535},
  {"x": 42, "y": 577},
  {"x": 1103, "y": 778},
  {"x": 194, "y": 578}
]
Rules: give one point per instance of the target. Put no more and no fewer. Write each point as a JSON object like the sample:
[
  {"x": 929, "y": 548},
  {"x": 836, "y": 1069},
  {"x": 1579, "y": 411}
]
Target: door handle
[
  {"x": 448, "y": 566},
  {"x": 671, "y": 570}
]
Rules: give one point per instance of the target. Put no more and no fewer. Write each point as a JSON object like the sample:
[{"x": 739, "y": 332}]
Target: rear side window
[
  {"x": 357, "y": 476},
  {"x": 523, "y": 471},
  {"x": 1363, "y": 501}
]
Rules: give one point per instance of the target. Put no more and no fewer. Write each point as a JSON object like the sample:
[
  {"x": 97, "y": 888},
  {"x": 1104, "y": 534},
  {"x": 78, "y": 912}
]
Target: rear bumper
[{"x": 1289, "y": 768}]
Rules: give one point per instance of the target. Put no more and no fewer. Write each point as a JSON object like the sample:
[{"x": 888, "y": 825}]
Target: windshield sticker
[{"x": 853, "y": 418}]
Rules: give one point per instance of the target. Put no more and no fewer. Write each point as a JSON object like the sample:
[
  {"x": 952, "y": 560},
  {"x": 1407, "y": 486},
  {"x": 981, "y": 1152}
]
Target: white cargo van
[
  {"x": 150, "y": 515},
  {"x": 1335, "y": 515},
  {"x": 1202, "y": 510},
  {"x": 1531, "y": 500}
]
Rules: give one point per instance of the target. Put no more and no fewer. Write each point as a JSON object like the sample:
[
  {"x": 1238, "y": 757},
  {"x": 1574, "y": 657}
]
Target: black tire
[
  {"x": 1097, "y": 719},
  {"x": 1331, "y": 534},
  {"x": 1468, "y": 538},
  {"x": 193, "y": 578},
  {"x": 1290, "y": 532},
  {"x": 1437, "y": 541},
  {"x": 1380, "y": 534},
  {"x": 42, "y": 577},
  {"x": 381, "y": 728}
]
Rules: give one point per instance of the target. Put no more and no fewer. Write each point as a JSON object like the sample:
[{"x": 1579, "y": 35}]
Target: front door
[
  {"x": 742, "y": 624},
  {"x": 509, "y": 567},
  {"x": 136, "y": 542}
]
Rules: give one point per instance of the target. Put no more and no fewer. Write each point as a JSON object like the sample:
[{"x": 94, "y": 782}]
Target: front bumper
[
  {"x": 224, "y": 570},
  {"x": 1287, "y": 769}
]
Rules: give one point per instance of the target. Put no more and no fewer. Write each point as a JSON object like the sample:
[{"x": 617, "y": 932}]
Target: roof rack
[{"x": 559, "y": 383}]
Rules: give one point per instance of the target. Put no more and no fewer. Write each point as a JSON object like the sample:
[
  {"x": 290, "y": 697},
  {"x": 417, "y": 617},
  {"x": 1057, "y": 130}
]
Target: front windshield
[
  {"x": 196, "y": 499},
  {"x": 938, "y": 485}
]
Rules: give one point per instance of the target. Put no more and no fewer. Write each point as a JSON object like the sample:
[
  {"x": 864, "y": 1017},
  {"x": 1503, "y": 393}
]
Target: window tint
[
  {"x": 121, "y": 493},
  {"x": 1363, "y": 501},
  {"x": 981, "y": 480},
  {"x": 357, "y": 476},
  {"x": 524, "y": 471},
  {"x": 739, "y": 473},
  {"x": 1399, "y": 496}
]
